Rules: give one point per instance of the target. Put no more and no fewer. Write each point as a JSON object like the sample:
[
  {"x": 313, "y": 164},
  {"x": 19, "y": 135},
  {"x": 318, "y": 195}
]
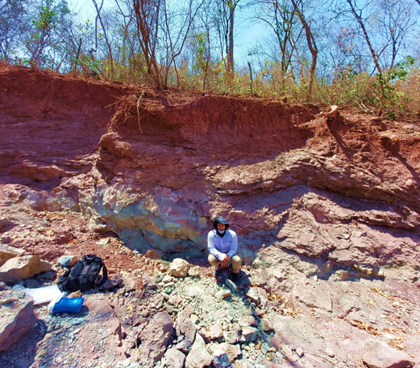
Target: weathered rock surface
[
  {"x": 16, "y": 317},
  {"x": 155, "y": 337},
  {"x": 22, "y": 267},
  {"x": 377, "y": 354}
]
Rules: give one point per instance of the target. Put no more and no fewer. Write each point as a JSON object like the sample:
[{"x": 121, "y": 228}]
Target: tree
[
  {"x": 147, "y": 13},
  {"x": 311, "y": 45},
  {"x": 12, "y": 24}
]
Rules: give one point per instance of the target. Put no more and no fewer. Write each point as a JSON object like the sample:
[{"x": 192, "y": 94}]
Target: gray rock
[{"x": 221, "y": 361}]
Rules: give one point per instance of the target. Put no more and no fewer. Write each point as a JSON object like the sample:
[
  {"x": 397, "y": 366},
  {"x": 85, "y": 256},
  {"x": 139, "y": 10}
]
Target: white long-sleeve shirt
[{"x": 219, "y": 246}]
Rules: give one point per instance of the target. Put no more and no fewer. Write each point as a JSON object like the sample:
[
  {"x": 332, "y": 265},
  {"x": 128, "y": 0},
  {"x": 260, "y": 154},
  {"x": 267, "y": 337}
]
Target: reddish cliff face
[
  {"x": 326, "y": 206},
  {"x": 155, "y": 167}
]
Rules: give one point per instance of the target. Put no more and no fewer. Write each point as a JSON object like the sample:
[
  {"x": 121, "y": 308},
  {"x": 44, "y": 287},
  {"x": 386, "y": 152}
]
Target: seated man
[{"x": 223, "y": 244}]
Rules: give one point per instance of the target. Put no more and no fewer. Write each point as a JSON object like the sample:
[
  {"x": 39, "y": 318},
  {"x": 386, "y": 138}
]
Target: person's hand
[{"x": 225, "y": 261}]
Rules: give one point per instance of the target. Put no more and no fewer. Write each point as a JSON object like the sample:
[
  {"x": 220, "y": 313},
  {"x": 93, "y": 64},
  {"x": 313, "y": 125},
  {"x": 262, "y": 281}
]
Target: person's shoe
[{"x": 236, "y": 277}]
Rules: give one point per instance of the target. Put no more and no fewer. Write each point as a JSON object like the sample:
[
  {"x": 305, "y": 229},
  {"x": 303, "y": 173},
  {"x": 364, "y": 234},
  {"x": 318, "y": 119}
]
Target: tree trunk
[{"x": 312, "y": 48}]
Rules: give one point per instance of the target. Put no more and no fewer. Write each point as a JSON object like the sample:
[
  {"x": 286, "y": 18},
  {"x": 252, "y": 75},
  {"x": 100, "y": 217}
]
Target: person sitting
[{"x": 223, "y": 245}]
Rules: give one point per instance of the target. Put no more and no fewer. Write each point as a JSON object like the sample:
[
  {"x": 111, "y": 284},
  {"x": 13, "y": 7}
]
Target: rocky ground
[{"x": 326, "y": 206}]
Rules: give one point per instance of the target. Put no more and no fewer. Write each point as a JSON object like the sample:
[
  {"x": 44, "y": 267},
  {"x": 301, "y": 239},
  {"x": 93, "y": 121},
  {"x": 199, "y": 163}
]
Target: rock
[
  {"x": 232, "y": 351},
  {"x": 377, "y": 354},
  {"x": 247, "y": 321},
  {"x": 174, "y": 358},
  {"x": 112, "y": 283},
  {"x": 299, "y": 352},
  {"x": 155, "y": 337},
  {"x": 258, "y": 296},
  {"x": 231, "y": 285},
  {"x": 330, "y": 352},
  {"x": 179, "y": 267},
  {"x": 266, "y": 325},
  {"x": 198, "y": 357},
  {"x": 7, "y": 252},
  {"x": 222, "y": 294},
  {"x": 316, "y": 297},
  {"x": 153, "y": 254},
  {"x": 67, "y": 261},
  {"x": 234, "y": 335},
  {"x": 221, "y": 361},
  {"x": 23, "y": 267},
  {"x": 186, "y": 328},
  {"x": 64, "y": 237},
  {"x": 17, "y": 316},
  {"x": 167, "y": 279},
  {"x": 194, "y": 271},
  {"x": 216, "y": 331},
  {"x": 3, "y": 286},
  {"x": 249, "y": 333},
  {"x": 288, "y": 353}
]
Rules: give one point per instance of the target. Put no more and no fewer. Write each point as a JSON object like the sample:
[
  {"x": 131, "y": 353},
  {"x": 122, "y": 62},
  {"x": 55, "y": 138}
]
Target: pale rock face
[
  {"x": 23, "y": 267},
  {"x": 179, "y": 267}
]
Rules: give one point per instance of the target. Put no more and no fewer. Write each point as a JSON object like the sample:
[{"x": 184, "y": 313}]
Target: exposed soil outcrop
[{"x": 319, "y": 200}]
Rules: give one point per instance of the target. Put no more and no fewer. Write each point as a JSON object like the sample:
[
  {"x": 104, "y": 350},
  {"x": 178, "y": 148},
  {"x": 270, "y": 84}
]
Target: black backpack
[{"x": 84, "y": 275}]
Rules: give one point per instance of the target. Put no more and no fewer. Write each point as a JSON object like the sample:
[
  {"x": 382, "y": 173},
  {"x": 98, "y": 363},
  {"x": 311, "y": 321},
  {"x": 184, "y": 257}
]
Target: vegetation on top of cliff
[{"x": 354, "y": 52}]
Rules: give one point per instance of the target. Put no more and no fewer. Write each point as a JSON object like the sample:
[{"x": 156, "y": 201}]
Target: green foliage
[
  {"x": 46, "y": 18},
  {"x": 388, "y": 80}
]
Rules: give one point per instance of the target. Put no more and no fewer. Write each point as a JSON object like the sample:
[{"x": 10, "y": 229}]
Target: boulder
[
  {"x": 155, "y": 337},
  {"x": 23, "y": 267},
  {"x": 7, "y": 252},
  {"x": 179, "y": 267},
  {"x": 198, "y": 357},
  {"x": 377, "y": 354},
  {"x": 17, "y": 316}
]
